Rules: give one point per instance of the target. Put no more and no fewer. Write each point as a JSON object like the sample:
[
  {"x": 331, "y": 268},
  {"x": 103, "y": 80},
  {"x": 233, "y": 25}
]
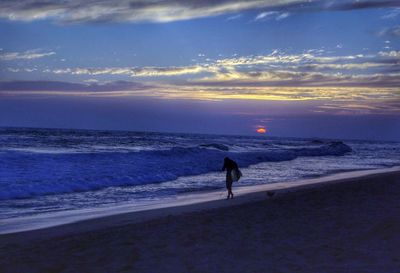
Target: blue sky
[{"x": 299, "y": 68}]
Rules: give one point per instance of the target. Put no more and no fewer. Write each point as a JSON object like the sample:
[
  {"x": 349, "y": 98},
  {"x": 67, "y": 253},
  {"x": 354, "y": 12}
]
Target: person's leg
[
  {"x": 227, "y": 188},
  {"x": 230, "y": 194},
  {"x": 227, "y": 183}
]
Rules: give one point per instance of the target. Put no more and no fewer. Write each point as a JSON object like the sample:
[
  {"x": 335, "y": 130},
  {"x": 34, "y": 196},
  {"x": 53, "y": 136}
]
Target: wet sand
[{"x": 346, "y": 226}]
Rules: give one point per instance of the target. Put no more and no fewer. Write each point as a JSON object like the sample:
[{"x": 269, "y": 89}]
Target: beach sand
[{"x": 346, "y": 226}]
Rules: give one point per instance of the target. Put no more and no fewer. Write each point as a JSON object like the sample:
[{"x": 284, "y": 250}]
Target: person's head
[{"x": 226, "y": 159}]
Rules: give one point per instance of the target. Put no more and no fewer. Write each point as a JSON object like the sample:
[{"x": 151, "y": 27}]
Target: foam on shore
[{"x": 132, "y": 213}]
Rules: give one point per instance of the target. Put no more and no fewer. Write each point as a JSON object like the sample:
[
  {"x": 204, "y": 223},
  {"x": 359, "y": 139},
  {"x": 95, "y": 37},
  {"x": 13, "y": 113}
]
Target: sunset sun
[{"x": 261, "y": 130}]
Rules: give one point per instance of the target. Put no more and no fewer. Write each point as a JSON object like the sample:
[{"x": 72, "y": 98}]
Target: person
[{"x": 229, "y": 166}]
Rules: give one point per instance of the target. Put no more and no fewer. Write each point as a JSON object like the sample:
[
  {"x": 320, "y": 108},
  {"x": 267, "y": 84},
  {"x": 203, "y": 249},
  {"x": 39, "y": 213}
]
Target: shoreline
[
  {"x": 90, "y": 219},
  {"x": 342, "y": 225}
]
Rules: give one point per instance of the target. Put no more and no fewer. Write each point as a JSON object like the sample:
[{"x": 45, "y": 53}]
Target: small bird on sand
[{"x": 270, "y": 193}]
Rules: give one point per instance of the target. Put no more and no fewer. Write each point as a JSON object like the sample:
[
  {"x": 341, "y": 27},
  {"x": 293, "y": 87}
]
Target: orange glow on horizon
[{"x": 261, "y": 130}]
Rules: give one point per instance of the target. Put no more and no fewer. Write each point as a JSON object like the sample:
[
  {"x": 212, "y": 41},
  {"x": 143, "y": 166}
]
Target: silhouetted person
[{"x": 229, "y": 166}]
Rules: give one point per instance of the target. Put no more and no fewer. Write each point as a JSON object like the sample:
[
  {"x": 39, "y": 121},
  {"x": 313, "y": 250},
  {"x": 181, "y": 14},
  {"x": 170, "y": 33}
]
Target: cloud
[
  {"x": 390, "y": 32},
  {"x": 67, "y": 86},
  {"x": 98, "y": 11},
  {"x": 91, "y": 81},
  {"x": 265, "y": 15},
  {"x": 392, "y": 14},
  {"x": 14, "y": 70},
  {"x": 271, "y": 14},
  {"x": 347, "y": 66},
  {"x": 393, "y": 53},
  {"x": 360, "y": 4},
  {"x": 282, "y": 16},
  {"x": 306, "y": 69},
  {"x": 133, "y": 71},
  {"x": 380, "y": 107},
  {"x": 310, "y": 68},
  {"x": 355, "y": 99},
  {"x": 127, "y": 11},
  {"x": 293, "y": 79},
  {"x": 234, "y": 17},
  {"x": 27, "y": 55},
  {"x": 277, "y": 57}
]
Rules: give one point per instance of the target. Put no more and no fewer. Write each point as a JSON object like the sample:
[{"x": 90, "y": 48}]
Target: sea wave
[{"x": 34, "y": 174}]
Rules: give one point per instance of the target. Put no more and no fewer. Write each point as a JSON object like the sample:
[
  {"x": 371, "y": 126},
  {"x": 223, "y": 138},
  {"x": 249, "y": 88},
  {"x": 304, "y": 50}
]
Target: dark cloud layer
[
  {"x": 97, "y": 11},
  {"x": 67, "y": 86},
  {"x": 367, "y": 4}
]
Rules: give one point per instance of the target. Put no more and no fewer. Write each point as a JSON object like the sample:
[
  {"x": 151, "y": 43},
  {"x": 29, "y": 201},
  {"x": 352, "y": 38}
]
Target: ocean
[{"x": 43, "y": 171}]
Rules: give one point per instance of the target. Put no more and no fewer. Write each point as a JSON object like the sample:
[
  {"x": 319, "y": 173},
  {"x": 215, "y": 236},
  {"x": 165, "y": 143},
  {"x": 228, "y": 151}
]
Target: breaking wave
[{"x": 24, "y": 175}]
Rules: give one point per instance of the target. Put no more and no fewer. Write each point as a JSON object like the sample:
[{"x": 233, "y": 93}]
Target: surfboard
[{"x": 236, "y": 174}]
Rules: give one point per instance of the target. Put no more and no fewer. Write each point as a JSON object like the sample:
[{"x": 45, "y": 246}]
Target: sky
[{"x": 299, "y": 68}]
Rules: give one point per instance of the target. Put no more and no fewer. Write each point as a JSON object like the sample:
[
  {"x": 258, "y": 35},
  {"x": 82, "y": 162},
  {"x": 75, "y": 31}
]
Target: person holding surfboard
[{"x": 232, "y": 174}]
